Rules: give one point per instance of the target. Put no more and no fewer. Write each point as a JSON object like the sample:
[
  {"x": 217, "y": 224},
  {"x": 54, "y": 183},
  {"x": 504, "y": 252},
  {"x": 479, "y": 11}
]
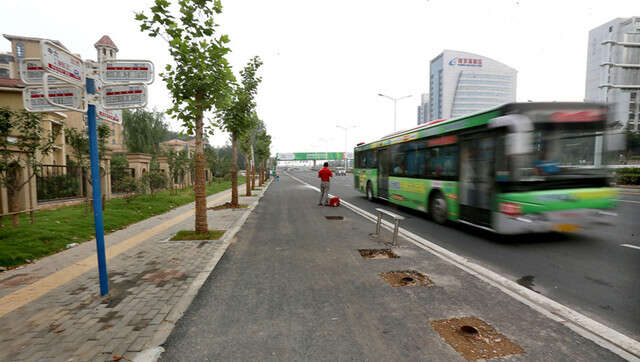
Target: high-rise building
[
  {"x": 423, "y": 108},
  {"x": 613, "y": 69},
  {"x": 462, "y": 83}
]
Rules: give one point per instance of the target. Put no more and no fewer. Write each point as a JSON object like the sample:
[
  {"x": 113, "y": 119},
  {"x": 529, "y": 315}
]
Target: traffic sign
[
  {"x": 58, "y": 61},
  {"x": 67, "y": 96},
  {"x": 111, "y": 115},
  {"x": 124, "y": 96},
  {"x": 127, "y": 71}
]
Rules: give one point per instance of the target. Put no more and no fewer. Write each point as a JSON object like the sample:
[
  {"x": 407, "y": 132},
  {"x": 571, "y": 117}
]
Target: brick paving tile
[{"x": 73, "y": 321}]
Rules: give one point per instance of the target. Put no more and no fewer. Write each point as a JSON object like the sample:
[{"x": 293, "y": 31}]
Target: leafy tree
[
  {"x": 23, "y": 144},
  {"x": 238, "y": 118},
  {"x": 199, "y": 81},
  {"x": 143, "y": 130},
  {"x": 79, "y": 140}
]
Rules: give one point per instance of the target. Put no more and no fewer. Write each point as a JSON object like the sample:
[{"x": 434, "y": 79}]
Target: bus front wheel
[
  {"x": 369, "y": 192},
  {"x": 438, "y": 208}
]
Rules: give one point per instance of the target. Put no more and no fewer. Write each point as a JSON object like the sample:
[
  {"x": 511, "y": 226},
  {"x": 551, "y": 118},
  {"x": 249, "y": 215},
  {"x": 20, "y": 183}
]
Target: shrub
[{"x": 628, "y": 176}]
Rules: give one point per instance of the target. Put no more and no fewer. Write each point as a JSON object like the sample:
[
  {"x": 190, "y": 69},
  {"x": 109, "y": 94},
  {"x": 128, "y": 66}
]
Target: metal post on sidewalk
[
  {"x": 379, "y": 222},
  {"x": 96, "y": 191}
]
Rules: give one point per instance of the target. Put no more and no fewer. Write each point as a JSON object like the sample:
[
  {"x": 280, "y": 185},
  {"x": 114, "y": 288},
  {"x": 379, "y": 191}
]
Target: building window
[
  {"x": 633, "y": 95},
  {"x": 610, "y": 28},
  {"x": 110, "y": 53},
  {"x": 113, "y": 132},
  {"x": 113, "y": 141},
  {"x": 20, "y": 50},
  {"x": 104, "y": 51},
  {"x": 4, "y": 73}
]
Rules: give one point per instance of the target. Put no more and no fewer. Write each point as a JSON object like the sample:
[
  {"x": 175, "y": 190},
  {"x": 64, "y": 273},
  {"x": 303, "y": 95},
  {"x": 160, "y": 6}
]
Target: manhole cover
[
  {"x": 407, "y": 278},
  {"x": 377, "y": 253},
  {"x": 474, "y": 339},
  {"x": 334, "y": 217}
]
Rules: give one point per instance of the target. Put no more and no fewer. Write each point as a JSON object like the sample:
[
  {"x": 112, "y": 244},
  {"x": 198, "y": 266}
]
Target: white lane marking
[
  {"x": 635, "y": 202},
  {"x": 602, "y": 335},
  {"x": 631, "y": 246}
]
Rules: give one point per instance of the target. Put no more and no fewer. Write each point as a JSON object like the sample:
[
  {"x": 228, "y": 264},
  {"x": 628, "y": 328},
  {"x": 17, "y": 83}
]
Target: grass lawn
[
  {"x": 191, "y": 235},
  {"x": 54, "y": 229}
]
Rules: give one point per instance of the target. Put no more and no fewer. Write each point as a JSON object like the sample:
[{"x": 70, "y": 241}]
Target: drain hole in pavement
[
  {"x": 407, "y": 278},
  {"x": 468, "y": 330},
  {"x": 334, "y": 217},
  {"x": 475, "y": 339},
  {"x": 377, "y": 253}
]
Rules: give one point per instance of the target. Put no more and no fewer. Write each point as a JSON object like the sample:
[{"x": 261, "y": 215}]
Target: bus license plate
[{"x": 566, "y": 227}]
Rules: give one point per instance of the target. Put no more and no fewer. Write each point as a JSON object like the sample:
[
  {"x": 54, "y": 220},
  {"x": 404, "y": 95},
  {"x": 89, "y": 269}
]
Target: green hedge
[{"x": 628, "y": 176}]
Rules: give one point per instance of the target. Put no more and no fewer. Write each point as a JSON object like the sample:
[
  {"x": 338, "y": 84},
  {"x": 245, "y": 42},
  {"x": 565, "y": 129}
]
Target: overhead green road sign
[{"x": 304, "y": 156}]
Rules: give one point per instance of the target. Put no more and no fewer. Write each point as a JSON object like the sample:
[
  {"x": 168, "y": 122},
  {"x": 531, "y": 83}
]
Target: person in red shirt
[{"x": 325, "y": 177}]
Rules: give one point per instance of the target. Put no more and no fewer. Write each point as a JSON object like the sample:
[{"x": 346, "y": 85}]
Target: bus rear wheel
[
  {"x": 438, "y": 208},
  {"x": 369, "y": 192}
]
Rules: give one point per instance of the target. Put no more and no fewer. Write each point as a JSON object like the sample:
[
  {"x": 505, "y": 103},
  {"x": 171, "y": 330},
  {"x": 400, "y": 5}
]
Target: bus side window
[{"x": 372, "y": 159}]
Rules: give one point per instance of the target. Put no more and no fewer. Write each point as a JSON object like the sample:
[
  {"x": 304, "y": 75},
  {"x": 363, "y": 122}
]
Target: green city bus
[{"x": 516, "y": 168}]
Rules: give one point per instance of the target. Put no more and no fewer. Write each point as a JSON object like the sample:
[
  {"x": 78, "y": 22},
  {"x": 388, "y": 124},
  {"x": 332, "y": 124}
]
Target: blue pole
[{"x": 95, "y": 187}]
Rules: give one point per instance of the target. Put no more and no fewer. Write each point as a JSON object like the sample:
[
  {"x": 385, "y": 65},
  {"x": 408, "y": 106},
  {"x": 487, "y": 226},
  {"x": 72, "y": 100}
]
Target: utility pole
[
  {"x": 395, "y": 101},
  {"x": 346, "y": 150}
]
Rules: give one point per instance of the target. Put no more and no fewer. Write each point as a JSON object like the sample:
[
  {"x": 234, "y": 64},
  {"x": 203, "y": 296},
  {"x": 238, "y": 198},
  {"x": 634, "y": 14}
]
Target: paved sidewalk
[
  {"x": 51, "y": 310},
  {"x": 293, "y": 287}
]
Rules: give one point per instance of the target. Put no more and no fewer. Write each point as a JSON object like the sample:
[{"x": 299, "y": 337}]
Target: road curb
[
  {"x": 154, "y": 349},
  {"x": 600, "y": 334}
]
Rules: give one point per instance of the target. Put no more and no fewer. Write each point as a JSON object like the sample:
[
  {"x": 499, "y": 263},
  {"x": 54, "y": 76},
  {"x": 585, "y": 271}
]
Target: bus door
[
  {"x": 476, "y": 179},
  {"x": 384, "y": 164}
]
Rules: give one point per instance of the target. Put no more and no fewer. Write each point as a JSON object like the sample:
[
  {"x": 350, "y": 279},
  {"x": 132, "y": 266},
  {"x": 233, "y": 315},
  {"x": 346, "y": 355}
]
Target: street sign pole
[{"x": 97, "y": 191}]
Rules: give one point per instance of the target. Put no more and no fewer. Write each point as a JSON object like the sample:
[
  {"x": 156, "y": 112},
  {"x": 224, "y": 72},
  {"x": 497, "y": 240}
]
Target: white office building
[
  {"x": 462, "y": 83},
  {"x": 423, "y": 108},
  {"x": 613, "y": 69}
]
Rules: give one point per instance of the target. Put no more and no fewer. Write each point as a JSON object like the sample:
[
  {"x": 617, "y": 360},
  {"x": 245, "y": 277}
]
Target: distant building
[
  {"x": 461, "y": 83},
  {"x": 423, "y": 108},
  {"x": 179, "y": 145},
  {"x": 613, "y": 69}
]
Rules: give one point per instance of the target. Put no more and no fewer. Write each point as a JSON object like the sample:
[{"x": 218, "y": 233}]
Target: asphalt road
[
  {"x": 292, "y": 286},
  {"x": 588, "y": 271}
]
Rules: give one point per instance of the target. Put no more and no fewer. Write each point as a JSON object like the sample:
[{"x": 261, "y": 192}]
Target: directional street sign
[
  {"x": 127, "y": 71},
  {"x": 124, "y": 96},
  {"x": 31, "y": 72},
  {"x": 70, "y": 96},
  {"x": 111, "y": 115},
  {"x": 58, "y": 61}
]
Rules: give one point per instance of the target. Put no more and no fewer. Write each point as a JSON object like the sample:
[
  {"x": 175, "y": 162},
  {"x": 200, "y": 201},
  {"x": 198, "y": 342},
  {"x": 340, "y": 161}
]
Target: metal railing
[{"x": 55, "y": 182}]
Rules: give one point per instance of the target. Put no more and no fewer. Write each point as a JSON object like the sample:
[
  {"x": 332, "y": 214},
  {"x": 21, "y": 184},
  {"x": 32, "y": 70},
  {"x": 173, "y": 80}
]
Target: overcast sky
[{"x": 326, "y": 61}]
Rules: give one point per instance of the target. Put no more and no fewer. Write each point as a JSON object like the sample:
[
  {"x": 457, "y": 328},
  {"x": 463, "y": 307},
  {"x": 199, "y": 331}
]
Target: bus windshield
[{"x": 558, "y": 153}]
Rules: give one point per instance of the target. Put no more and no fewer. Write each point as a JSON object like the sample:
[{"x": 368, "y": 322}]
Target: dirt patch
[
  {"x": 527, "y": 282},
  {"x": 377, "y": 254},
  {"x": 160, "y": 277},
  {"x": 406, "y": 278},
  {"x": 17, "y": 280},
  {"x": 474, "y": 339},
  {"x": 228, "y": 205},
  {"x": 334, "y": 217}
]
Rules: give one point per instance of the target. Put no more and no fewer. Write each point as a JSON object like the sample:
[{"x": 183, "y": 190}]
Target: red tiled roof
[
  {"x": 106, "y": 41},
  {"x": 11, "y": 83}
]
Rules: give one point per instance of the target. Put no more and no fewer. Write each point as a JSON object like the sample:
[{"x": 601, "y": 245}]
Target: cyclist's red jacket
[{"x": 325, "y": 174}]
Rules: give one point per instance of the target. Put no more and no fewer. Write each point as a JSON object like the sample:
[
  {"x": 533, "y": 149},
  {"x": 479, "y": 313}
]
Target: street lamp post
[
  {"x": 395, "y": 101},
  {"x": 346, "y": 149}
]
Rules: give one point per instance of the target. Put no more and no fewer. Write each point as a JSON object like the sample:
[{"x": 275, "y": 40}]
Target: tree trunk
[
  {"x": 199, "y": 186},
  {"x": 247, "y": 179},
  {"x": 234, "y": 170},
  {"x": 13, "y": 207}
]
